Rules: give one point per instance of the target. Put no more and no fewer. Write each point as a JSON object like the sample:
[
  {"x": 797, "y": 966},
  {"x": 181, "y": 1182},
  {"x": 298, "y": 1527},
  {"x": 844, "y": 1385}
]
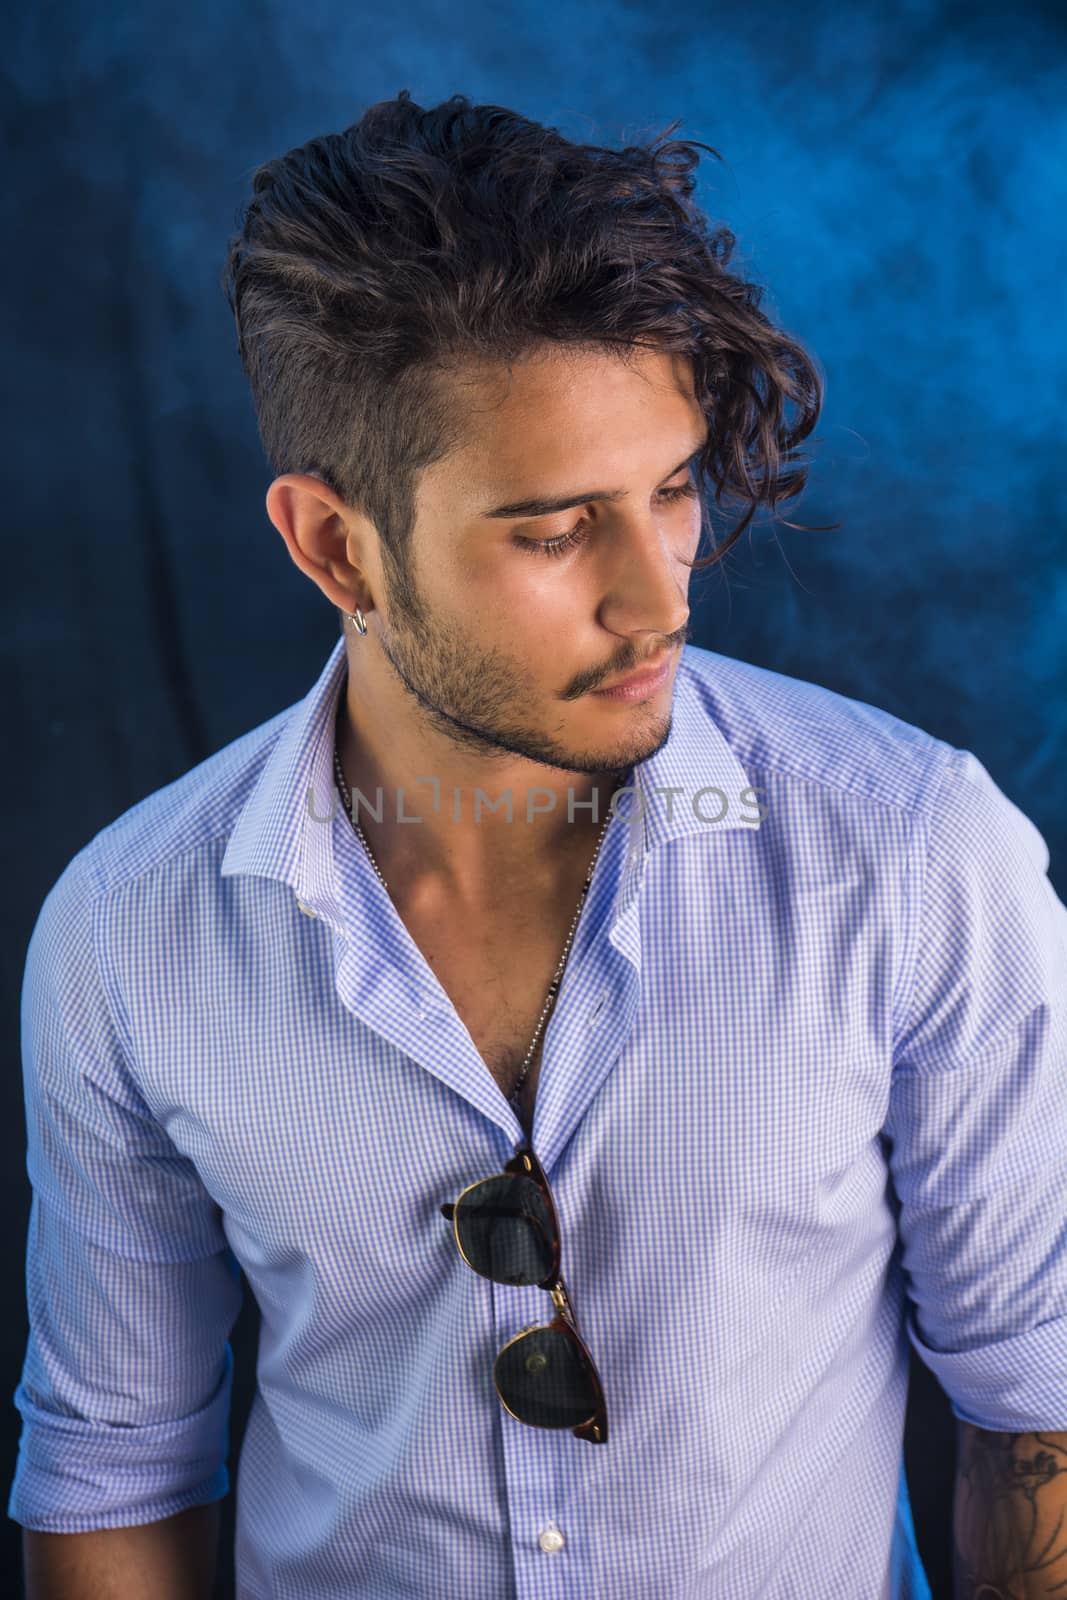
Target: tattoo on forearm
[{"x": 1010, "y": 1515}]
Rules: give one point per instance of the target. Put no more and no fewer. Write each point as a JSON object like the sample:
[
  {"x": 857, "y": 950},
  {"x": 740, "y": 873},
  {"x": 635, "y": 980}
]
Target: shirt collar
[
  {"x": 284, "y": 829},
  {"x": 697, "y": 763}
]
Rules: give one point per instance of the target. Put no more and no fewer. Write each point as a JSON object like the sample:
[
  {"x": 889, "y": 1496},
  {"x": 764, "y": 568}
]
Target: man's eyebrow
[{"x": 567, "y": 502}]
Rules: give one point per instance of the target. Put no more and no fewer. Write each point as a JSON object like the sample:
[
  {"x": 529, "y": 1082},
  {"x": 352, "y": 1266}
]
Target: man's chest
[
  {"x": 497, "y": 974},
  {"x": 331, "y": 1091}
]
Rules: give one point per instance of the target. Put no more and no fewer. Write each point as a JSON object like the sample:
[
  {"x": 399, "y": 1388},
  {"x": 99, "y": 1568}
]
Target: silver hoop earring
[{"x": 358, "y": 619}]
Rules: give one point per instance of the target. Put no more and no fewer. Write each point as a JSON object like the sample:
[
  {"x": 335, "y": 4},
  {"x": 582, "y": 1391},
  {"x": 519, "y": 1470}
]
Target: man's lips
[{"x": 644, "y": 674}]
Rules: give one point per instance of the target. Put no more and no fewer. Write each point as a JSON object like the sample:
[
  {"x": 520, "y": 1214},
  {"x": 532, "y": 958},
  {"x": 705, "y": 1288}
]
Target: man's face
[{"x": 500, "y": 643}]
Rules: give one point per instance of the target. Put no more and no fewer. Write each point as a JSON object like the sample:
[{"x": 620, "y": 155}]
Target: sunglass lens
[
  {"x": 544, "y": 1379},
  {"x": 505, "y": 1230}
]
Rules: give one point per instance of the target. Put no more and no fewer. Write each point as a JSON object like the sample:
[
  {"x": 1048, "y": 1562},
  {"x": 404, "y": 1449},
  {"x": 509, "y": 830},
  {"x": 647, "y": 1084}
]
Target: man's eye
[
  {"x": 556, "y": 547},
  {"x": 567, "y": 541}
]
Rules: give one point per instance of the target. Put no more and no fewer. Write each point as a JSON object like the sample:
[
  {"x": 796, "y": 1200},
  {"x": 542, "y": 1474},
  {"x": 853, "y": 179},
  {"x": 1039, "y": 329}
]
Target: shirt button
[
  {"x": 309, "y": 911},
  {"x": 551, "y": 1540}
]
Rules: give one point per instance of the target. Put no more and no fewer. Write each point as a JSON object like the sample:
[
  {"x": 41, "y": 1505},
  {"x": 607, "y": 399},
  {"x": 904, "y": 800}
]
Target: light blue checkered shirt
[{"x": 803, "y": 1098}]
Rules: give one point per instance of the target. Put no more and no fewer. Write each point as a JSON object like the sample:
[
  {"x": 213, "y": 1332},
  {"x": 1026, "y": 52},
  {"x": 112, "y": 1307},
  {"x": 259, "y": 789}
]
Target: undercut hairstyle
[{"x": 376, "y": 268}]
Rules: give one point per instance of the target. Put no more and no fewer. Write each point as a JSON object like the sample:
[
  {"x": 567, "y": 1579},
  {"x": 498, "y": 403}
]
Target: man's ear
[{"x": 329, "y": 543}]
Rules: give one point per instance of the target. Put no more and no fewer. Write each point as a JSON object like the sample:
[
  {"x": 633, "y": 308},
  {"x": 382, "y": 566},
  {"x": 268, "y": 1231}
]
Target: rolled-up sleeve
[
  {"x": 132, "y": 1289},
  {"x": 977, "y": 1122}
]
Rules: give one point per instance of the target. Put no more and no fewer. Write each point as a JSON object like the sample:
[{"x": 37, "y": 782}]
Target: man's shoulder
[
  {"x": 196, "y": 812},
  {"x": 780, "y": 725}
]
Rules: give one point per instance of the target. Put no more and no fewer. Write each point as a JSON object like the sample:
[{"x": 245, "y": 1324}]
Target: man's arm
[
  {"x": 173, "y": 1559},
  {"x": 1010, "y": 1515},
  {"x": 132, "y": 1288}
]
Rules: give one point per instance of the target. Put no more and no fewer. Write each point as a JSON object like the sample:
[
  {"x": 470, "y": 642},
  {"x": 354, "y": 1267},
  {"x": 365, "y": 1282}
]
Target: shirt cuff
[
  {"x": 75, "y": 1475},
  {"x": 1017, "y": 1385}
]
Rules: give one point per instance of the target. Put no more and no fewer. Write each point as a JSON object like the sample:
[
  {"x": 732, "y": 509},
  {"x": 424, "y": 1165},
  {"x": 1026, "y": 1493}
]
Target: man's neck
[
  {"x": 475, "y": 865},
  {"x": 469, "y": 826}
]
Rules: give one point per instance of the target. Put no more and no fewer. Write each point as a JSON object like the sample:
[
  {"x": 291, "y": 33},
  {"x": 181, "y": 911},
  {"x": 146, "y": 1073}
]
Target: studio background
[{"x": 895, "y": 178}]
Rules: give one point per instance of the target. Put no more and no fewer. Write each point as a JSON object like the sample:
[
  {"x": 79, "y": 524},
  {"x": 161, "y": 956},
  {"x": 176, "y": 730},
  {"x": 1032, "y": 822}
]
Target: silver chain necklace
[{"x": 553, "y": 987}]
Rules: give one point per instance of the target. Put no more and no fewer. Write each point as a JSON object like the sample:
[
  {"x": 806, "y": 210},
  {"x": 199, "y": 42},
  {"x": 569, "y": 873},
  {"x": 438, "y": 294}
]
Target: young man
[{"x": 727, "y": 1011}]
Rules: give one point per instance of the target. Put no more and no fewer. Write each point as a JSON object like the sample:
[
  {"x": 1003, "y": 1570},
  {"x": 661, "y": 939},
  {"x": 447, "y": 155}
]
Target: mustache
[{"x": 627, "y": 666}]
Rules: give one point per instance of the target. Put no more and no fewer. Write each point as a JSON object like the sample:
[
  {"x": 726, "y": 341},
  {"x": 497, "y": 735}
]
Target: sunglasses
[{"x": 506, "y": 1229}]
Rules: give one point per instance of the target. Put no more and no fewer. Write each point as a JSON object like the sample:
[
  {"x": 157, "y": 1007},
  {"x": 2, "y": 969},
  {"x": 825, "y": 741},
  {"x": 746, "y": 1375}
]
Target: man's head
[
  {"x": 443, "y": 310},
  {"x": 496, "y": 639},
  {"x": 375, "y": 265}
]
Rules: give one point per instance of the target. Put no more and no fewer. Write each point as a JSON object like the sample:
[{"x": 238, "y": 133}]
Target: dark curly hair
[{"x": 372, "y": 265}]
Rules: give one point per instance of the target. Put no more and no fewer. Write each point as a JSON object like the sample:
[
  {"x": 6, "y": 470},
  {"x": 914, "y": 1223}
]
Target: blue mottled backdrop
[{"x": 896, "y": 178}]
